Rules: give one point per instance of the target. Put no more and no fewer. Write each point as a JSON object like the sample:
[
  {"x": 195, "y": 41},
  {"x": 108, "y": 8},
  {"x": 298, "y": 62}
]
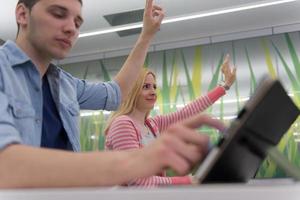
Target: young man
[{"x": 39, "y": 107}]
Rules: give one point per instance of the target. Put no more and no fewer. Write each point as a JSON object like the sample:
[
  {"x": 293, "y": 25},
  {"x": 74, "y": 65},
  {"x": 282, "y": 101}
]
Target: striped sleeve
[
  {"x": 195, "y": 107},
  {"x": 151, "y": 181},
  {"x": 159, "y": 180}
]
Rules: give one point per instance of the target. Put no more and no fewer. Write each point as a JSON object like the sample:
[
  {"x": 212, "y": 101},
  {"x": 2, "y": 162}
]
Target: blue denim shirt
[{"x": 21, "y": 100}]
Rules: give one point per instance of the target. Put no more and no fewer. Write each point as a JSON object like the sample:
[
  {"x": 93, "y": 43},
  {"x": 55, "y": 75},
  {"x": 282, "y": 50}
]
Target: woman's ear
[{"x": 22, "y": 15}]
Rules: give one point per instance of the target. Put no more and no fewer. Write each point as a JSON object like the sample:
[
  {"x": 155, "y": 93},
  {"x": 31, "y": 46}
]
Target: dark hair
[{"x": 29, "y": 4}]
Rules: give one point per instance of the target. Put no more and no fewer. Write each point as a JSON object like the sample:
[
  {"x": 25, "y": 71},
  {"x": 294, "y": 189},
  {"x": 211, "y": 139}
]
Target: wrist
[
  {"x": 224, "y": 85},
  {"x": 146, "y": 37},
  {"x": 181, "y": 180}
]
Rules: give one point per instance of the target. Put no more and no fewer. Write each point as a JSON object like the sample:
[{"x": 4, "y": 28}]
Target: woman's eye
[{"x": 148, "y": 86}]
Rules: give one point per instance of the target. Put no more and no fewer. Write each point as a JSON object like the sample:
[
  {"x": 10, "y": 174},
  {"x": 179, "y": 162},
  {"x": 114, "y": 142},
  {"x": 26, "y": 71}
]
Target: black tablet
[{"x": 266, "y": 116}]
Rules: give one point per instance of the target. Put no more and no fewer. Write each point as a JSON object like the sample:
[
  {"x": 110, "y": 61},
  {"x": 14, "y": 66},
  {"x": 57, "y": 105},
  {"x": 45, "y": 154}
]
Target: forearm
[
  {"x": 195, "y": 107},
  {"x": 216, "y": 94},
  {"x": 161, "y": 180},
  {"x": 23, "y": 167},
  {"x": 151, "y": 181},
  {"x": 133, "y": 64}
]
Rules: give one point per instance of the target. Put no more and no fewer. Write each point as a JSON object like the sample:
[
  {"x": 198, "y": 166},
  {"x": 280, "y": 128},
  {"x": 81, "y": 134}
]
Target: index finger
[
  {"x": 200, "y": 120},
  {"x": 148, "y": 6}
]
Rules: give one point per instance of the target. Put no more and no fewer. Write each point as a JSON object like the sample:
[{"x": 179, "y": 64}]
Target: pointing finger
[{"x": 199, "y": 120}]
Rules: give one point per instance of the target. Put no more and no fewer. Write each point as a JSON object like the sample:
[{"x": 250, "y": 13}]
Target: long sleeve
[
  {"x": 160, "y": 180},
  {"x": 195, "y": 107},
  {"x": 124, "y": 135}
]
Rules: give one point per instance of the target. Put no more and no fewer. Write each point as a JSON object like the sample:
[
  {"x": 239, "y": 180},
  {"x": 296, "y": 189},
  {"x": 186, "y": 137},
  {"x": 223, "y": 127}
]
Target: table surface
[{"x": 263, "y": 190}]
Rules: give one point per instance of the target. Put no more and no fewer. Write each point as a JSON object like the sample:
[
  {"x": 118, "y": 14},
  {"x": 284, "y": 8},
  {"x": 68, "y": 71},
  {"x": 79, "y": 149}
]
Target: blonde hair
[{"x": 129, "y": 103}]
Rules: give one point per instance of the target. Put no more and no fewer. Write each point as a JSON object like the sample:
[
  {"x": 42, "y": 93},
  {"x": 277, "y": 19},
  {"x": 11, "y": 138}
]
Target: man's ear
[{"x": 22, "y": 15}]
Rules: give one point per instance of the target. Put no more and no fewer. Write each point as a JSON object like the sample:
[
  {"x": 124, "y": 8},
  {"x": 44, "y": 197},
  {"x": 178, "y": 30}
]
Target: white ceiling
[{"x": 260, "y": 21}]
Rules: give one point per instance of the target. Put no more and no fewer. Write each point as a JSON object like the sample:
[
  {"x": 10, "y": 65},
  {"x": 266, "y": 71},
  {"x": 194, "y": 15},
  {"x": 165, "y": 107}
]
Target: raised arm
[
  {"x": 201, "y": 103},
  {"x": 126, "y": 77}
]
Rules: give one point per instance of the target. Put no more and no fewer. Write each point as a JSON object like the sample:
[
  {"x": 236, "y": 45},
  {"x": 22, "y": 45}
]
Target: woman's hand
[{"x": 228, "y": 72}]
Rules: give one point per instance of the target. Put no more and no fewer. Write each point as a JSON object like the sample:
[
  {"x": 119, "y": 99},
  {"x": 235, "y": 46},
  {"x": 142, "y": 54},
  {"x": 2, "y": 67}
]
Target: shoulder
[
  {"x": 123, "y": 119},
  {"x": 4, "y": 63},
  {"x": 122, "y": 123},
  {"x": 68, "y": 83},
  {"x": 122, "y": 126},
  {"x": 65, "y": 76}
]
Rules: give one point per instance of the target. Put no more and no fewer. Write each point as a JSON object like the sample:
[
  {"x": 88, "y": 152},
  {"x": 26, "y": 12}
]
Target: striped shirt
[{"x": 125, "y": 134}]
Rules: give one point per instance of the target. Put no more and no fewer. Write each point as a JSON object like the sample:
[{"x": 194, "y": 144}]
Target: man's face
[{"x": 53, "y": 27}]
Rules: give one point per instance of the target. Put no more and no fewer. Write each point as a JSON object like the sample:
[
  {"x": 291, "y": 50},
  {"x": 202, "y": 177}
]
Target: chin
[
  {"x": 60, "y": 56},
  {"x": 151, "y": 107},
  {"x": 59, "y": 53}
]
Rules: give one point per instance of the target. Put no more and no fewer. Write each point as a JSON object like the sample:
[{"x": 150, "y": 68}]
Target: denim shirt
[{"x": 21, "y": 100}]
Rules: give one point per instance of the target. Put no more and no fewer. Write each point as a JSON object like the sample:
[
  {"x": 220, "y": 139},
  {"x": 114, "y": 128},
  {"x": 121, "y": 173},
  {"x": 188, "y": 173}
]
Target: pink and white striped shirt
[{"x": 125, "y": 134}]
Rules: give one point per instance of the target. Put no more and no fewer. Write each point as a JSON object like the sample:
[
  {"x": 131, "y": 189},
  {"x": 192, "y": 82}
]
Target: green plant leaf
[
  {"x": 165, "y": 86},
  {"x": 106, "y": 75},
  {"x": 293, "y": 54},
  {"x": 188, "y": 77},
  {"x": 268, "y": 59},
  {"x": 215, "y": 79},
  {"x": 252, "y": 76},
  {"x": 197, "y": 71}
]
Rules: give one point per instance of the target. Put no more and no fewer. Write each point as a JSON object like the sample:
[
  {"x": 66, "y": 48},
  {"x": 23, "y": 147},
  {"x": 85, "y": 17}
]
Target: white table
[{"x": 261, "y": 191}]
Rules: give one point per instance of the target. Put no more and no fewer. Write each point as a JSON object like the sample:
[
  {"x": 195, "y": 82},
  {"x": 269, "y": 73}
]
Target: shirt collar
[
  {"x": 16, "y": 55},
  {"x": 53, "y": 70}
]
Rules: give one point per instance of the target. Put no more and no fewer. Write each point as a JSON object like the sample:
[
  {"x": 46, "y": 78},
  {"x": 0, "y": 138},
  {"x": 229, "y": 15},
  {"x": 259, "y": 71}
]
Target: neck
[
  {"x": 138, "y": 116},
  {"x": 40, "y": 60}
]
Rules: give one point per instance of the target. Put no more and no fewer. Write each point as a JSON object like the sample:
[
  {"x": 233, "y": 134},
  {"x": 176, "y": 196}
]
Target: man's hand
[
  {"x": 180, "y": 146},
  {"x": 153, "y": 16}
]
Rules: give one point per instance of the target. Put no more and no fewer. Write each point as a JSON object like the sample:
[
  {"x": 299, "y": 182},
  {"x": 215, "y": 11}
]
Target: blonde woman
[{"x": 130, "y": 127}]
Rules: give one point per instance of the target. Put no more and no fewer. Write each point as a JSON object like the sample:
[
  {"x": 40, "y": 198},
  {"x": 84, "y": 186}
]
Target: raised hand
[
  {"x": 228, "y": 72},
  {"x": 153, "y": 16}
]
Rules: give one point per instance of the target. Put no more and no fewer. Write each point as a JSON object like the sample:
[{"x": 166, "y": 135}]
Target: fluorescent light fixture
[
  {"x": 190, "y": 16},
  {"x": 227, "y": 10},
  {"x": 297, "y": 140},
  {"x": 296, "y": 134}
]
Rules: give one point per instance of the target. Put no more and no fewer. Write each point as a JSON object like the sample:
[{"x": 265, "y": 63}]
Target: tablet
[{"x": 264, "y": 119}]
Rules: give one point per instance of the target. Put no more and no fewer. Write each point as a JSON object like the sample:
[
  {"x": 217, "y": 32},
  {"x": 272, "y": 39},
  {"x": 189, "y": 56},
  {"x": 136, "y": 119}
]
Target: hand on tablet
[{"x": 180, "y": 147}]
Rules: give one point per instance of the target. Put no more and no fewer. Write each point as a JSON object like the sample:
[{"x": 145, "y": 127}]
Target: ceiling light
[
  {"x": 189, "y": 16},
  {"x": 226, "y": 10}
]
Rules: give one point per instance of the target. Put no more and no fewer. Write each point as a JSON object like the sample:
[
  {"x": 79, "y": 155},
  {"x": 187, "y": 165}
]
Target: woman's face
[{"x": 147, "y": 96}]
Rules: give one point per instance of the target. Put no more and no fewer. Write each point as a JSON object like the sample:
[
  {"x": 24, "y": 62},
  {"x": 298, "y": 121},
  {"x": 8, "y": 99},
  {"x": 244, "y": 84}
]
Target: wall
[{"x": 185, "y": 73}]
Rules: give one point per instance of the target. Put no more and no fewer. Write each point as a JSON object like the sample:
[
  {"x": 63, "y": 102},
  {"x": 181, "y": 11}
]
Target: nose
[
  {"x": 153, "y": 91},
  {"x": 70, "y": 28}
]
